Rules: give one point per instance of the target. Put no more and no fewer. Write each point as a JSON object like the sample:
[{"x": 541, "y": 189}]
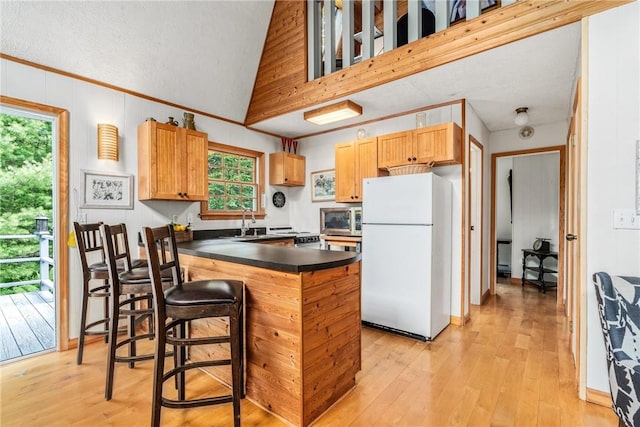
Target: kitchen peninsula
[{"x": 302, "y": 321}]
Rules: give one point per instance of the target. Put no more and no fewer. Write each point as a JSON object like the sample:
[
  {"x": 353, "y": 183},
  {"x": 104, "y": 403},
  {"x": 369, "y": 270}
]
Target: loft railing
[
  {"x": 333, "y": 42},
  {"x": 44, "y": 258}
]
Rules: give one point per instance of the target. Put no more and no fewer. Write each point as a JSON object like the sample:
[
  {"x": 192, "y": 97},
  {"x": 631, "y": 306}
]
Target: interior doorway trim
[
  {"x": 561, "y": 213},
  {"x": 60, "y": 203},
  {"x": 472, "y": 183}
]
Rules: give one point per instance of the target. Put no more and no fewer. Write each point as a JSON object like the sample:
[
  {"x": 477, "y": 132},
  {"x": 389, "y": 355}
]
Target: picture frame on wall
[
  {"x": 323, "y": 185},
  {"x": 107, "y": 190}
]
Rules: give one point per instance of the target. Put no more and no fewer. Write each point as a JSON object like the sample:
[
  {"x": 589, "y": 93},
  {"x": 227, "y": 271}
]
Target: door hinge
[{"x": 571, "y": 326}]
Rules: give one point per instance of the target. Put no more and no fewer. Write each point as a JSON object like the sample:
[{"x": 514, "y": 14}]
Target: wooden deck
[{"x": 27, "y": 324}]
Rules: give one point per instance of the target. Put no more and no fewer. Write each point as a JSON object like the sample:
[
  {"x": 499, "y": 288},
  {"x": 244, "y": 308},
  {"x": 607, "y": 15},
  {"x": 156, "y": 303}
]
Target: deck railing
[{"x": 44, "y": 258}]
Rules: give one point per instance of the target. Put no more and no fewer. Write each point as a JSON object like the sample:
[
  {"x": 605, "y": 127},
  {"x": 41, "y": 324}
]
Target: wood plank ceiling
[{"x": 281, "y": 84}]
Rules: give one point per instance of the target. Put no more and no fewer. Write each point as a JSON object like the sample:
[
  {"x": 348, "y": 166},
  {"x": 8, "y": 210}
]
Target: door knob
[
  {"x": 472, "y": 228},
  {"x": 571, "y": 237}
]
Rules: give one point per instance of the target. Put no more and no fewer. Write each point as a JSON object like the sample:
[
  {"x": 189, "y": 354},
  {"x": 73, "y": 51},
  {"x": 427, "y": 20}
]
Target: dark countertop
[{"x": 279, "y": 258}]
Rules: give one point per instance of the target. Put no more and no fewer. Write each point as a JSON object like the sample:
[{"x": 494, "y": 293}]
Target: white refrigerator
[{"x": 406, "y": 254}]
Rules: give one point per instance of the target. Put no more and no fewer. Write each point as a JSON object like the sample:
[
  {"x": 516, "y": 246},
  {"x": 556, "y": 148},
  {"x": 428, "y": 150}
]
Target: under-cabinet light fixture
[
  {"x": 333, "y": 113},
  {"x": 108, "y": 142}
]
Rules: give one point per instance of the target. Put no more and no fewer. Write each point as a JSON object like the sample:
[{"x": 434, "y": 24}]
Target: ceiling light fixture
[
  {"x": 333, "y": 113},
  {"x": 521, "y": 116},
  {"x": 108, "y": 142}
]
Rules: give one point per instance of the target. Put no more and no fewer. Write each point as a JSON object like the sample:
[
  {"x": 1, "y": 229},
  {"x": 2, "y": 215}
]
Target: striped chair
[{"x": 619, "y": 308}]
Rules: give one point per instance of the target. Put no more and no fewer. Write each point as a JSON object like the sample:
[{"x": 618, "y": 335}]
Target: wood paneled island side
[{"x": 302, "y": 322}]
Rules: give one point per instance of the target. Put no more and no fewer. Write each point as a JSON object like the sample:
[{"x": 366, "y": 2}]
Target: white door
[{"x": 475, "y": 221}]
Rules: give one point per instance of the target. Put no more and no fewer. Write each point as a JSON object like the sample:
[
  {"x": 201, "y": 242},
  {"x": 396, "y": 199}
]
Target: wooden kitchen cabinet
[
  {"x": 172, "y": 163},
  {"x": 441, "y": 144},
  {"x": 286, "y": 169},
  {"x": 354, "y": 161},
  {"x": 395, "y": 149}
]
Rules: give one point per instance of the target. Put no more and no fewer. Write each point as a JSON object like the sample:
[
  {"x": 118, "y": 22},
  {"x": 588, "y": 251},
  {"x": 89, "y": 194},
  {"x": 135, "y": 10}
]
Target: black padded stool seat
[
  {"x": 204, "y": 292},
  {"x": 175, "y": 308},
  {"x": 129, "y": 289}
]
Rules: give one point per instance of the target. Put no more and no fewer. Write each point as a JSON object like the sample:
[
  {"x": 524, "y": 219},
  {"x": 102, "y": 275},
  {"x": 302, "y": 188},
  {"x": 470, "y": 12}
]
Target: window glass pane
[
  {"x": 233, "y": 182},
  {"x": 216, "y": 189},
  {"x": 234, "y": 203},
  {"x": 216, "y": 203},
  {"x": 215, "y": 159},
  {"x": 230, "y": 161}
]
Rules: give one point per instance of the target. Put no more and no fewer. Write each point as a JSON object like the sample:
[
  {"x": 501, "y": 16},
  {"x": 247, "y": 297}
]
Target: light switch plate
[{"x": 626, "y": 219}]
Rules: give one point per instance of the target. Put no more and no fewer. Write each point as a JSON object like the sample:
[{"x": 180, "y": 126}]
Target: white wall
[
  {"x": 546, "y": 135},
  {"x": 535, "y": 205},
  {"x": 89, "y": 104},
  {"x": 613, "y": 110}
]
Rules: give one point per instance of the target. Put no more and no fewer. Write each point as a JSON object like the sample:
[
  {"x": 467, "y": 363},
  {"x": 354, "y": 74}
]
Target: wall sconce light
[
  {"x": 108, "y": 142},
  {"x": 521, "y": 116},
  {"x": 332, "y": 113}
]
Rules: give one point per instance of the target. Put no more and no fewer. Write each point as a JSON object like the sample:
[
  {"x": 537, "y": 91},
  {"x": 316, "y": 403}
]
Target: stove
[{"x": 300, "y": 238}]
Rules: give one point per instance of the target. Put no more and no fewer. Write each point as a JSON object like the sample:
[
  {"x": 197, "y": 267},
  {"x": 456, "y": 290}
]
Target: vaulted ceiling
[{"x": 204, "y": 55}]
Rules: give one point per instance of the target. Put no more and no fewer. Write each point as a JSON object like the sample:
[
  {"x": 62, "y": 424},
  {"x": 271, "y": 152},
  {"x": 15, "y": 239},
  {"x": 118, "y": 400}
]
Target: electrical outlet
[{"x": 626, "y": 219}]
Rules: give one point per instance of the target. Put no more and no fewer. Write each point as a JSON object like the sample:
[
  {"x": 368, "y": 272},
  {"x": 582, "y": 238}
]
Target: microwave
[{"x": 341, "y": 221}]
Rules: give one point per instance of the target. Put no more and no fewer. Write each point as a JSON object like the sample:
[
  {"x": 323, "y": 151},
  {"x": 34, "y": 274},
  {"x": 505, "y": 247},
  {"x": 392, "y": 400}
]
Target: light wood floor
[{"x": 508, "y": 366}]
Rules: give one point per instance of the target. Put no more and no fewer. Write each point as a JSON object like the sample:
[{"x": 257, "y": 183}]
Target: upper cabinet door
[
  {"x": 287, "y": 169},
  {"x": 395, "y": 149},
  {"x": 441, "y": 143},
  {"x": 194, "y": 178},
  {"x": 345, "y": 158},
  {"x": 366, "y": 162}
]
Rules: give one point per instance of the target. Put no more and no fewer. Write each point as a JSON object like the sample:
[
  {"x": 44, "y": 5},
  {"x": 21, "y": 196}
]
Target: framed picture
[
  {"x": 323, "y": 185},
  {"x": 104, "y": 190}
]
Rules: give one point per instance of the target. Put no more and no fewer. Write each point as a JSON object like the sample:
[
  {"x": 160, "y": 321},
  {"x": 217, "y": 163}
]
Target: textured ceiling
[
  {"x": 200, "y": 54},
  {"x": 204, "y": 55}
]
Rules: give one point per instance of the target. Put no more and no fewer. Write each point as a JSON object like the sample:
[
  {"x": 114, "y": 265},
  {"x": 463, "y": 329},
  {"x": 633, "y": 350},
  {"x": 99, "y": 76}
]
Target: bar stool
[
  {"x": 94, "y": 267},
  {"x": 183, "y": 302},
  {"x": 129, "y": 287},
  {"x": 89, "y": 245}
]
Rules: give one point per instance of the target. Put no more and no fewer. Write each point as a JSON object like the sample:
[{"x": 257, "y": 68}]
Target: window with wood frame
[{"x": 235, "y": 180}]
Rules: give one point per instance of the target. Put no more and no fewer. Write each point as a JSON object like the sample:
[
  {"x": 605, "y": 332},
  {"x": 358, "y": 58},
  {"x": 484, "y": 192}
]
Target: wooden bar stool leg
[
  {"x": 113, "y": 339},
  {"x": 158, "y": 372},
  {"x": 236, "y": 356}
]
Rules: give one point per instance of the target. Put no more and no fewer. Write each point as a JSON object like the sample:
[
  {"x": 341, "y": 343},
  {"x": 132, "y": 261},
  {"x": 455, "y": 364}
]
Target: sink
[{"x": 251, "y": 237}]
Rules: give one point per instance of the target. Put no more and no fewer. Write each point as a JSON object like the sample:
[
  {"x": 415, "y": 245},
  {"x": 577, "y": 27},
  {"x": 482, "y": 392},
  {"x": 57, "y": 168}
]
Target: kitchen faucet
[{"x": 243, "y": 228}]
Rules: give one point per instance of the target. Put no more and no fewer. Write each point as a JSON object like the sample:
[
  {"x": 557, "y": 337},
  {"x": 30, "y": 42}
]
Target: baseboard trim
[
  {"x": 516, "y": 281},
  {"x": 599, "y": 397},
  {"x": 485, "y": 297},
  {"x": 459, "y": 321}
]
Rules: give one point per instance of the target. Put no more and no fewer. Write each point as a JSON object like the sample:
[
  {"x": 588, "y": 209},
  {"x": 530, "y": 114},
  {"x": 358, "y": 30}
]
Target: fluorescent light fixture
[
  {"x": 332, "y": 113},
  {"x": 108, "y": 142},
  {"x": 521, "y": 116}
]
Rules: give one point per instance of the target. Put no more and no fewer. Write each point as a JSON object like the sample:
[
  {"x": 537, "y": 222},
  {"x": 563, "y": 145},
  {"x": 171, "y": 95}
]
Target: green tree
[{"x": 26, "y": 171}]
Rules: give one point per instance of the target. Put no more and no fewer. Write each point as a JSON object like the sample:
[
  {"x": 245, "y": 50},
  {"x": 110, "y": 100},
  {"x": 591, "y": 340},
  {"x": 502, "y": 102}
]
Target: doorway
[
  {"x": 47, "y": 306},
  {"x": 537, "y": 183},
  {"x": 476, "y": 291}
]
